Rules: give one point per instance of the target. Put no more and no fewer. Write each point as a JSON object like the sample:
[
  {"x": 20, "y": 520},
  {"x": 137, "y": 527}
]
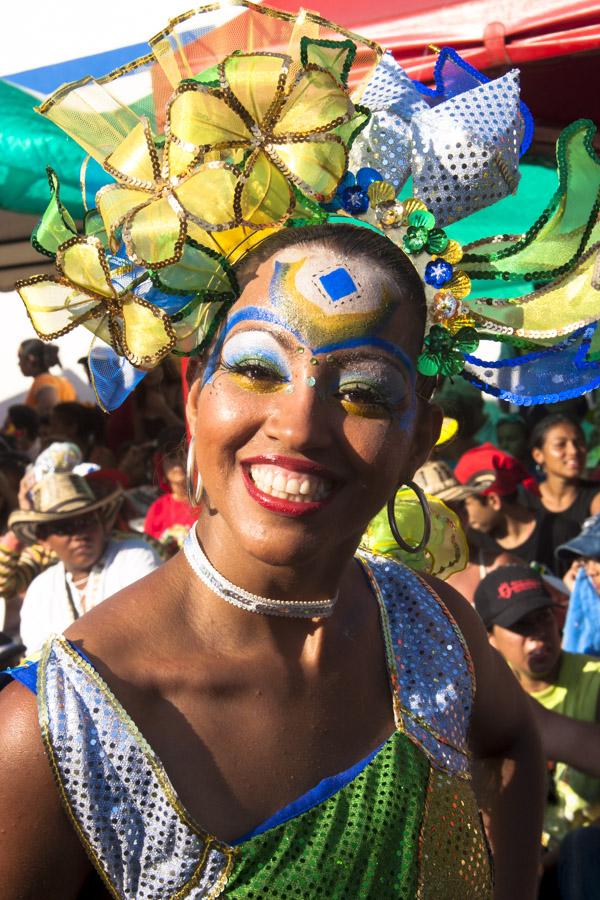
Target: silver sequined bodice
[{"x": 120, "y": 799}]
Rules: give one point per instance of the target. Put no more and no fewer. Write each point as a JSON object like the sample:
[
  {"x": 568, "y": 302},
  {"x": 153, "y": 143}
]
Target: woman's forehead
[{"x": 324, "y": 298}]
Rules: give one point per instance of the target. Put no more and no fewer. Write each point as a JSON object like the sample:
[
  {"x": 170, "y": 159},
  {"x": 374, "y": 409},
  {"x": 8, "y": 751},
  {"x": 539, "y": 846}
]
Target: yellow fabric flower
[
  {"x": 233, "y": 150},
  {"x": 84, "y": 293}
]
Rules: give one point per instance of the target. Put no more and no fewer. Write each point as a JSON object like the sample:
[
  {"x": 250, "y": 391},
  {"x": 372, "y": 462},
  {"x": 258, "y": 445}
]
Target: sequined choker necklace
[{"x": 237, "y": 596}]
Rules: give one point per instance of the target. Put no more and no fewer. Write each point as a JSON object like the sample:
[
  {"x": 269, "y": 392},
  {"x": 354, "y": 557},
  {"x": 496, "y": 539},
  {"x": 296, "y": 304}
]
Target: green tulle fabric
[{"x": 446, "y": 551}]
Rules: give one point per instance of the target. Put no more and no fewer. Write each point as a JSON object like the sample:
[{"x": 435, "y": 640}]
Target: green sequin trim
[
  {"x": 349, "y": 46},
  {"x": 581, "y": 125}
]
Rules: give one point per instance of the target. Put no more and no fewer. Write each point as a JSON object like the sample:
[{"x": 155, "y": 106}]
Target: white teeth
[
  {"x": 286, "y": 485},
  {"x": 279, "y": 482}
]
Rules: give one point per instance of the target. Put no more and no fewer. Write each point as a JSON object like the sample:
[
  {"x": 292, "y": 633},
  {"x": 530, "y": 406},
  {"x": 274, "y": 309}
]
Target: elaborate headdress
[{"x": 243, "y": 120}]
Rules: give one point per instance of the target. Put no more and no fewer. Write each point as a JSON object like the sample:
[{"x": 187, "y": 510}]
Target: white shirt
[{"x": 46, "y": 609}]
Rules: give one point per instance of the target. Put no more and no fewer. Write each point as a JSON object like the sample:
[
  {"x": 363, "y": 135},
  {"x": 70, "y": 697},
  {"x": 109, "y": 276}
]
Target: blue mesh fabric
[{"x": 545, "y": 376}]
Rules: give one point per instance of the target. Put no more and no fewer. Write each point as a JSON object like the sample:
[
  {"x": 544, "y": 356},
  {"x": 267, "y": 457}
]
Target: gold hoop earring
[{"x": 193, "y": 479}]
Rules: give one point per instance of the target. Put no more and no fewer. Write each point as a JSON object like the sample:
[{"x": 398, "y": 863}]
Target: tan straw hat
[
  {"x": 61, "y": 496},
  {"x": 437, "y": 480}
]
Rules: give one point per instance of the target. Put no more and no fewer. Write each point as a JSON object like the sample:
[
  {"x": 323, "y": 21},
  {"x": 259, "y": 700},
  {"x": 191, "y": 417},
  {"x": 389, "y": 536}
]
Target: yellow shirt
[{"x": 574, "y": 694}]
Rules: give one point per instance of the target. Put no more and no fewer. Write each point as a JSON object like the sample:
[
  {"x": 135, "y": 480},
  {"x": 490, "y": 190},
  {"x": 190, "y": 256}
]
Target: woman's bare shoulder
[
  {"x": 135, "y": 621},
  {"x": 40, "y": 854}
]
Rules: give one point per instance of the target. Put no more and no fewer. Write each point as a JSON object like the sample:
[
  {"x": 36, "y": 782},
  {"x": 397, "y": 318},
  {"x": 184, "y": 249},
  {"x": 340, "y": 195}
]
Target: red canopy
[
  {"x": 488, "y": 33},
  {"x": 555, "y": 44}
]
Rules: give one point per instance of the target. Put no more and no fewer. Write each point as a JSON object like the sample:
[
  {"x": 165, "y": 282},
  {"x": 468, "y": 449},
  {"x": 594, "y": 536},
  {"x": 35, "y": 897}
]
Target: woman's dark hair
[
  {"x": 24, "y": 418},
  {"x": 349, "y": 241},
  {"x": 540, "y": 431},
  {"x": 44, "y": 355},
  {"x": 88, "y": 421}
]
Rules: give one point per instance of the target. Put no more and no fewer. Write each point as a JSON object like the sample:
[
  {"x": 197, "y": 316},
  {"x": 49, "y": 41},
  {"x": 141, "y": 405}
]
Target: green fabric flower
[
  {"x": 421, "y": 234},
  {"x": 444, "y": 351}
]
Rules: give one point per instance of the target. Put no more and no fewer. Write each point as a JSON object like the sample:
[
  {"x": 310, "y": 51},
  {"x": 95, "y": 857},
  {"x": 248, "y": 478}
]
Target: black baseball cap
[{"x": 508, "y": 594}]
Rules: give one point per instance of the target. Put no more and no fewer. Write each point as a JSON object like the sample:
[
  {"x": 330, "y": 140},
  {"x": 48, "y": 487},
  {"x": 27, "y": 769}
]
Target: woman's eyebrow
[
  {"x": 394, "y": 355},
  {"x": 281, "y": 334}
]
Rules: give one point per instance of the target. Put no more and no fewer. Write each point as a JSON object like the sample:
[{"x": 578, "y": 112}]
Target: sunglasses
[{"x": 68, "y": 527}]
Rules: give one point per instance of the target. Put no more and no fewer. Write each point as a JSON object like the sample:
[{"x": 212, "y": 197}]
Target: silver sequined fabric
[
  {"x": 462, "y": 151},
  {"x": 465, "y": 151},
  {"x": 117, "y": 791},
  {"x": 120, "y": 799}
]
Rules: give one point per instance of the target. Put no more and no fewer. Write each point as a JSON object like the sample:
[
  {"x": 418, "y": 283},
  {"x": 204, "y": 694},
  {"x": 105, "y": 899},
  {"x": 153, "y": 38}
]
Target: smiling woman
[
  {"x": 274, "y": 713},
  {"x": 305, "y": 418}
]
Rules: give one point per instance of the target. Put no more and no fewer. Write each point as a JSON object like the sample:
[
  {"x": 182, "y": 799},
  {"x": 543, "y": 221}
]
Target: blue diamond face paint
[
  {"x": 327, "y": 305},
  {"x": 338, "y": 284},
  {"x": 320, "y": 326}
]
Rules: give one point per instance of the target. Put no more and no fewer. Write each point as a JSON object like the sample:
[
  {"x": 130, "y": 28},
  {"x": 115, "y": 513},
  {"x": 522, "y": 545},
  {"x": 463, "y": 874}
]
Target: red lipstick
[{"x": 277, "y": 504}]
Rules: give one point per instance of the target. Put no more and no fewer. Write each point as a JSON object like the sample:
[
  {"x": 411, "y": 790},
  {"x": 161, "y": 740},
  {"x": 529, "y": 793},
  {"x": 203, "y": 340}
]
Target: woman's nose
[{"x": 299, "y": 419}]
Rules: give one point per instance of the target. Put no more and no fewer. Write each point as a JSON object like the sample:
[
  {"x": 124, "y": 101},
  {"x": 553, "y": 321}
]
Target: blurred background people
[
  {"x": 518, "y": 613},
  {"x": 21, "y": 428},
  {"x": 84, "y": 426},
  {"x": 437, "y": 480},
  {"x": 559, "y": 450},
  {"x": 35, "y": 360},
  {"x": 68, "y": 519},
  {"x": 512, "y": 436},
  {"x": 171, "y": 515},
  {"x": 581, "y": 633},
  {"x": 502, "y": 515}
]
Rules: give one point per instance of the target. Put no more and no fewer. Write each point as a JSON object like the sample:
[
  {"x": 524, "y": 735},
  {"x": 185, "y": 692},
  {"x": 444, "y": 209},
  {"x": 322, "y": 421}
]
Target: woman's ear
[
  {"x": 191, "y": 405},
  {"x": 538, "y": 456},
  {"x": 428, "y": 424}
]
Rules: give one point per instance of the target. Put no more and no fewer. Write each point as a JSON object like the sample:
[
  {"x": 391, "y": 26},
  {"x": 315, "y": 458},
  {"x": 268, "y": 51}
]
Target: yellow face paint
[{"x": 328, "y": 306}]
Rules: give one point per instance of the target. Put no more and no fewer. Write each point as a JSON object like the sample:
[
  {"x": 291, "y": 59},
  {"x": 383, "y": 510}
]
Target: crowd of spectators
[{"x": 90, "y": 502}]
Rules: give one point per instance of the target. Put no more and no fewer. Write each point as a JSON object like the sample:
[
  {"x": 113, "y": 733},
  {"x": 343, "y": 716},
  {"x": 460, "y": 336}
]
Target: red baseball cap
[{"x": 492, "y": 471}]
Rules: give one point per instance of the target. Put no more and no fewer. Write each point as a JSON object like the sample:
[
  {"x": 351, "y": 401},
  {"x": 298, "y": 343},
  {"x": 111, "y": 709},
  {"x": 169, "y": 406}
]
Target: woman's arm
[
  {"x": 568, "y": 740},
  {"x": 508, "y": 765},
  {"x": 40, "y": 854}
]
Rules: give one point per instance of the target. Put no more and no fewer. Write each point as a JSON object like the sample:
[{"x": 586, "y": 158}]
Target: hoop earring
[
  {"x": 193, "y": 480},
  {"x": 410, "y": 548}
]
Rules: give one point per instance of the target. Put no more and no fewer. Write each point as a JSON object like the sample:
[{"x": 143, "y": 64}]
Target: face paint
[
  {"x": 256, "y": 362},
  {"x": 371, "y": 389},
  {"x": 327, "y": 306}
]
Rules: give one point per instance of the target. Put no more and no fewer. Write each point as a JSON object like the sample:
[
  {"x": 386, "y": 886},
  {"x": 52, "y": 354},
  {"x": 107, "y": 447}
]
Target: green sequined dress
[{"x": 402, "y": 824}]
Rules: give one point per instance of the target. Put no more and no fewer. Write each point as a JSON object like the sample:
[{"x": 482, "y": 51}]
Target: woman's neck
[
  {"x": 559, "y": 489},
  {"x": 317, "y": 577}
]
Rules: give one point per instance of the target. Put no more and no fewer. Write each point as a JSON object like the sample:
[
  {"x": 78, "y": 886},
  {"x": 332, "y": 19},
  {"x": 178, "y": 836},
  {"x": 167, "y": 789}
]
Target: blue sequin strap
[{"x": 431, "y": 666}]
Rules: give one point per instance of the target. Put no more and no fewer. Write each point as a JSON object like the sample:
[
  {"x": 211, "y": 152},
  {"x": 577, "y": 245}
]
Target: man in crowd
[
  {"x": 500, "y": 517},
  {"x": 437, "y": 480},
  {"x": 68, "y": 519},
  {"x": 518, "y": 613}
]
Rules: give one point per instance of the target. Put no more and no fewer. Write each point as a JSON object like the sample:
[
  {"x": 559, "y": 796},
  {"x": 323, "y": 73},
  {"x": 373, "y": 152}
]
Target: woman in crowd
[
  {"x": 558, "y": 449},
  {"x": 316, "y": 722},
  {"x": 335, "y": 447},
  {"x": 35, "y": 361}
]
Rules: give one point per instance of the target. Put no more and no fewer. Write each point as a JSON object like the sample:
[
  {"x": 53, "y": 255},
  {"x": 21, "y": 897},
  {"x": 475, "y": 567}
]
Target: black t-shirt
[
  {"x": 551, "y": 530},
  {"x": 577, "y": 512}
]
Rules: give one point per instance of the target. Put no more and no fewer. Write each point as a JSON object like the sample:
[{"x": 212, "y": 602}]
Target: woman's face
[
  {"x": 305, "y": 416},
  {"x": 563, "y": 451},
  {"x": 26, "y": 363}
]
